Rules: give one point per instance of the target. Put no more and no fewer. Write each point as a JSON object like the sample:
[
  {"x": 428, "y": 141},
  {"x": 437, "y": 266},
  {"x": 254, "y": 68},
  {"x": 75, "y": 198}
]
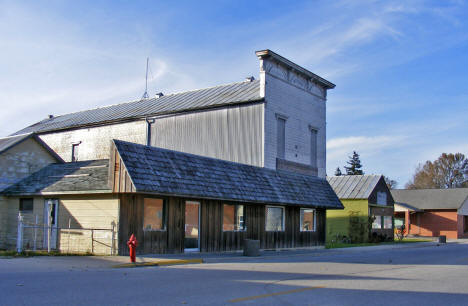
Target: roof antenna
[{"x": 145, "y": 95}]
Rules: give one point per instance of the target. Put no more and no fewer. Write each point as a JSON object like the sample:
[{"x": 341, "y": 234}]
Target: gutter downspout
[{"x": 148, "y": 130}]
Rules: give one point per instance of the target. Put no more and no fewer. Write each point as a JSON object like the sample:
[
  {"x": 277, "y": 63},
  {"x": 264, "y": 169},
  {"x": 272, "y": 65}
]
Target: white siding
[
  {"x": 303, "y": 103},
  {"x": 233, "y": 133},
  {"x": 95, "y": 141}
]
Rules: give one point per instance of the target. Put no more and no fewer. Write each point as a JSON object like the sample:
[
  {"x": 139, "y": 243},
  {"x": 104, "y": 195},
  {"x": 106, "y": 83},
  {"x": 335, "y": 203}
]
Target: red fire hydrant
[{"x": 132, "y": 244}]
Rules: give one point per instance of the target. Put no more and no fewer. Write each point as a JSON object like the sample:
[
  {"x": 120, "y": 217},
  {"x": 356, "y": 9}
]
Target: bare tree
[
  {"x": 448, "y": 171},
  {"x": 391, "y": 184}
]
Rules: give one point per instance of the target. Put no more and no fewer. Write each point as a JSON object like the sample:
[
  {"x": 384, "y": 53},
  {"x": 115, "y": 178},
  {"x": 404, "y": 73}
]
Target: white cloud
[{"x": 339, "y": 148}]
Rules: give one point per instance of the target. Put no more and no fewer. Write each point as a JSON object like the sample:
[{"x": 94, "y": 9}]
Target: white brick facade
[{"x": 303, "y": 104}]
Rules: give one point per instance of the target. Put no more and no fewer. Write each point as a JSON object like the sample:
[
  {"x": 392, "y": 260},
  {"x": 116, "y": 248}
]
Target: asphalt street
[{"x": 429, "y": 275}]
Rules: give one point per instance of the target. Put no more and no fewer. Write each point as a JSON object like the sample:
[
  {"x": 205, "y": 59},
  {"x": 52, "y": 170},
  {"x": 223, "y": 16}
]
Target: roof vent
[
  {"x": 50, "y": 116},
  {"x": 249, "y": 79},
  {"x": 159, "y": 95}
]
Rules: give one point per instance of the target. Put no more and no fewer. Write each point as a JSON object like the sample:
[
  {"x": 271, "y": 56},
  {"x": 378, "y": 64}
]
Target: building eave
[{"x": 268, "y": 53}]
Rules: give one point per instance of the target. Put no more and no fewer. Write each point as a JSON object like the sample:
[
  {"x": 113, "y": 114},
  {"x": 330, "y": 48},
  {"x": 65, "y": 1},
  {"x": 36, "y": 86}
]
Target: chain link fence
[{"x": 33, "y": 235}]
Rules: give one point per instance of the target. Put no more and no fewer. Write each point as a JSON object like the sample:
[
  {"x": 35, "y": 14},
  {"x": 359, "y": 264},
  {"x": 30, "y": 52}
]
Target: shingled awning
[
  {"x": 166, "y": 172},
  {"x": 65, "y": 178}
]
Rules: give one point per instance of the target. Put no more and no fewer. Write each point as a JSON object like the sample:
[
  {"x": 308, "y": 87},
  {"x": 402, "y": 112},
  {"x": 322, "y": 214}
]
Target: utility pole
[{"x": 145, "y": 95}]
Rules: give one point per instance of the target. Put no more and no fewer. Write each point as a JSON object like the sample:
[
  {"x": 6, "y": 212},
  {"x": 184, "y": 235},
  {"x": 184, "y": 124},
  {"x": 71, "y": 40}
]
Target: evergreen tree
[
  {"x": 355, "y": 166},
  {"x": 338, "y": 171}
]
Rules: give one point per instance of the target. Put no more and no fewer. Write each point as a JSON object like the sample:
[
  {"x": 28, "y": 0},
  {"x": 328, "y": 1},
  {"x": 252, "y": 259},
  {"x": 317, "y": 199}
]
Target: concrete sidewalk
[{"x": 60, "y": 263}]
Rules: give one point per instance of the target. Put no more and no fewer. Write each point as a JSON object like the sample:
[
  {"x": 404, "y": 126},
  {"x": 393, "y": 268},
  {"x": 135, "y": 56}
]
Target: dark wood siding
[
  {"x": 212, "y": 236},
  {"x": 381, "y": 186}
]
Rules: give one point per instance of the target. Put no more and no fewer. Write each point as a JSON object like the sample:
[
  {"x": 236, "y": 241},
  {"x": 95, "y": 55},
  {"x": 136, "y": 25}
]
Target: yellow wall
[
  {"x": 338, "y": 220},
  {"x": 84, "y": 212}
]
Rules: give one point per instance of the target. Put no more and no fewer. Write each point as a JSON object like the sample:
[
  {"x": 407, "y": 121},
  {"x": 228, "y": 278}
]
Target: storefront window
[
  {"x": 233, "y": 217},
  {"x": 307, "y": 220},
  {"x": 274, "y": 218},
  {"x": 154, "y": 214}
]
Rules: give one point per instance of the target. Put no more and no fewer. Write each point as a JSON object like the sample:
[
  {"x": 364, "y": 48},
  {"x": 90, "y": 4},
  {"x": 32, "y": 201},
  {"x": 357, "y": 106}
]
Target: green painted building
[{"x": 368, "y": 205}]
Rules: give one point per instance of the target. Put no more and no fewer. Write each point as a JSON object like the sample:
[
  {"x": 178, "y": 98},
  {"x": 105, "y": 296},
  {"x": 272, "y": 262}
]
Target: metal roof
[
  {"x": 353, "y": 186},
  {"x": 451, "y": 198},
  {"x": 235, "y": 93},
  {"x": 74, "y": 177},
  {"x": 167, "y": 172}
]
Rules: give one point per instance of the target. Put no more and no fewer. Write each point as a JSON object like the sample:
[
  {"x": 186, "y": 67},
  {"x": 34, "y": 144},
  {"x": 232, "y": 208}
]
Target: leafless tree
[{"x": 391, "y": 184}]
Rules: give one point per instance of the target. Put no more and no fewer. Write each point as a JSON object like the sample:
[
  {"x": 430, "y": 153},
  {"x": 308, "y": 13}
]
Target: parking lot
[{"x": 417, "y": 274}]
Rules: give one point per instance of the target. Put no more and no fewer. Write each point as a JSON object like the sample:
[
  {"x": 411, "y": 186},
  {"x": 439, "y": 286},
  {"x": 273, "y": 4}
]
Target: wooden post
[
  {"x": 35, "y": 232},
  {"x": 113, "y": 237},
  {"x": 19, "y": 237},
  {"x": 49, "y": 228}
]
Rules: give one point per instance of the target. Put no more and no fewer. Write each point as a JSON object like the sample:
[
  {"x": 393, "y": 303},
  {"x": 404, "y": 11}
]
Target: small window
[
  {"x": 377, "y": 224},
  {"x": 280, "y": 137},
  {"x": 26, "y": 205},
  {"x": 233, "y": 217},
  {"x": 307, "y": 220},
  {"x": 74, "y": 152},
  {"x": 154, "y": 214},
  {"x": 387, "y": 222},
  {"x": 381, "y": 198},
  {"x": 313, "y": 147},
  {"x": 274, "y": 219}
]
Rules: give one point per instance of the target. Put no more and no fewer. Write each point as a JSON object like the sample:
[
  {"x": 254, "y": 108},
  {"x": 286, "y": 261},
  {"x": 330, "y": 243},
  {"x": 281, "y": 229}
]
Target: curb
[{"x": 169, "y": 262}]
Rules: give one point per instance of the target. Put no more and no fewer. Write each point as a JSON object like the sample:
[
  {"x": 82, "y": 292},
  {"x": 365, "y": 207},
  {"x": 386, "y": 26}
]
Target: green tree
[
  {"x": 338, "y": 171},
  {"x": 448, "y": 171},
  {"x": 355, "y": 166}
]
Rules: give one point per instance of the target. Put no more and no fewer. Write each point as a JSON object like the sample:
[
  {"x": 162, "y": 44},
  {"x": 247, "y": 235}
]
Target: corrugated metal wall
[{"x": 234, "y": 133}]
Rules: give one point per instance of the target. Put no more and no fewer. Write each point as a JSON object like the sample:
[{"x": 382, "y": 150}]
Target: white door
[{"x": 50, "y": 209}]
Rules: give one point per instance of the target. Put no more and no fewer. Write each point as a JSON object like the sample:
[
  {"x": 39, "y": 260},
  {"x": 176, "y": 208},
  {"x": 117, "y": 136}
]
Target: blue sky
[{"x": 400, "y": 66}]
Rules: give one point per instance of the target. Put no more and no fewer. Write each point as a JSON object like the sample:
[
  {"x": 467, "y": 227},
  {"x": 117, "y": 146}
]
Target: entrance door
[
  {"x": 50, "y": 209},
  {"x": 192, "y": 226}
]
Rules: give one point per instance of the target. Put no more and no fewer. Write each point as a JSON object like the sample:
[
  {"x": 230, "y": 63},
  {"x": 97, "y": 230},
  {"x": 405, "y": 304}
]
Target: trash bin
[
  {"x": 442, "y": 239},
  {"x": 251, "y": 247}
]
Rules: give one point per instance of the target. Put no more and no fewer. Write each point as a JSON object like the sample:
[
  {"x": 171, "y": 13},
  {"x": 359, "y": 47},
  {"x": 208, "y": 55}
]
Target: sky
[{"x": 400, "y": 67}]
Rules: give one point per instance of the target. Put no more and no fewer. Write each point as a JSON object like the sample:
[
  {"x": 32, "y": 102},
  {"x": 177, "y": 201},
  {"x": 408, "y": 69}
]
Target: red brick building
[{"x": 432, "y": 212}]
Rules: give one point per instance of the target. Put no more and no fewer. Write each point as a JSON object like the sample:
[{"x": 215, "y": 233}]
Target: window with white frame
[
  {"x": 280, "y": 137},
  {"x": 307, "y": 220},
  {"x": 377, "y": 223},
  {"x": 274, "y": 221},
  {"x": 381, "y": 198},
  {"x": 387, "y": 222},
  {"x": 233, "y": 217}
]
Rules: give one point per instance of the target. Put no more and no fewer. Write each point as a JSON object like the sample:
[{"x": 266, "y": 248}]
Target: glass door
[{"x": 192, "y": 226}]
